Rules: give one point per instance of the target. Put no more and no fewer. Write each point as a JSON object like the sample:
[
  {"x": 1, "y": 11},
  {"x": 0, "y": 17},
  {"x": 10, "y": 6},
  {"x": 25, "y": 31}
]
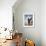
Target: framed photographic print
[{"x": 28, "y": 20}]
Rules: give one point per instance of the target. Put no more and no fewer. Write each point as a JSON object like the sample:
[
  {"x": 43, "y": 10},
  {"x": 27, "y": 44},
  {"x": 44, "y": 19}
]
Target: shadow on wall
[{"x": 28, "y": 6}]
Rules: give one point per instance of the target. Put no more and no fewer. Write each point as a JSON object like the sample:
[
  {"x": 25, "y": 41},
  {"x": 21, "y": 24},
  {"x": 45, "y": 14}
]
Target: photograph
[{"x": 28, "y": 20}]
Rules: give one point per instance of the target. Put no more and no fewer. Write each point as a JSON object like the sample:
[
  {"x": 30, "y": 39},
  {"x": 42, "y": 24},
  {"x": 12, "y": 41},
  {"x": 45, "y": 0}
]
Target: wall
[
  {"x": 6, "y": 13},
  {"x": 33, "y": 33},
  {"x": 43, "y": 22}
]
